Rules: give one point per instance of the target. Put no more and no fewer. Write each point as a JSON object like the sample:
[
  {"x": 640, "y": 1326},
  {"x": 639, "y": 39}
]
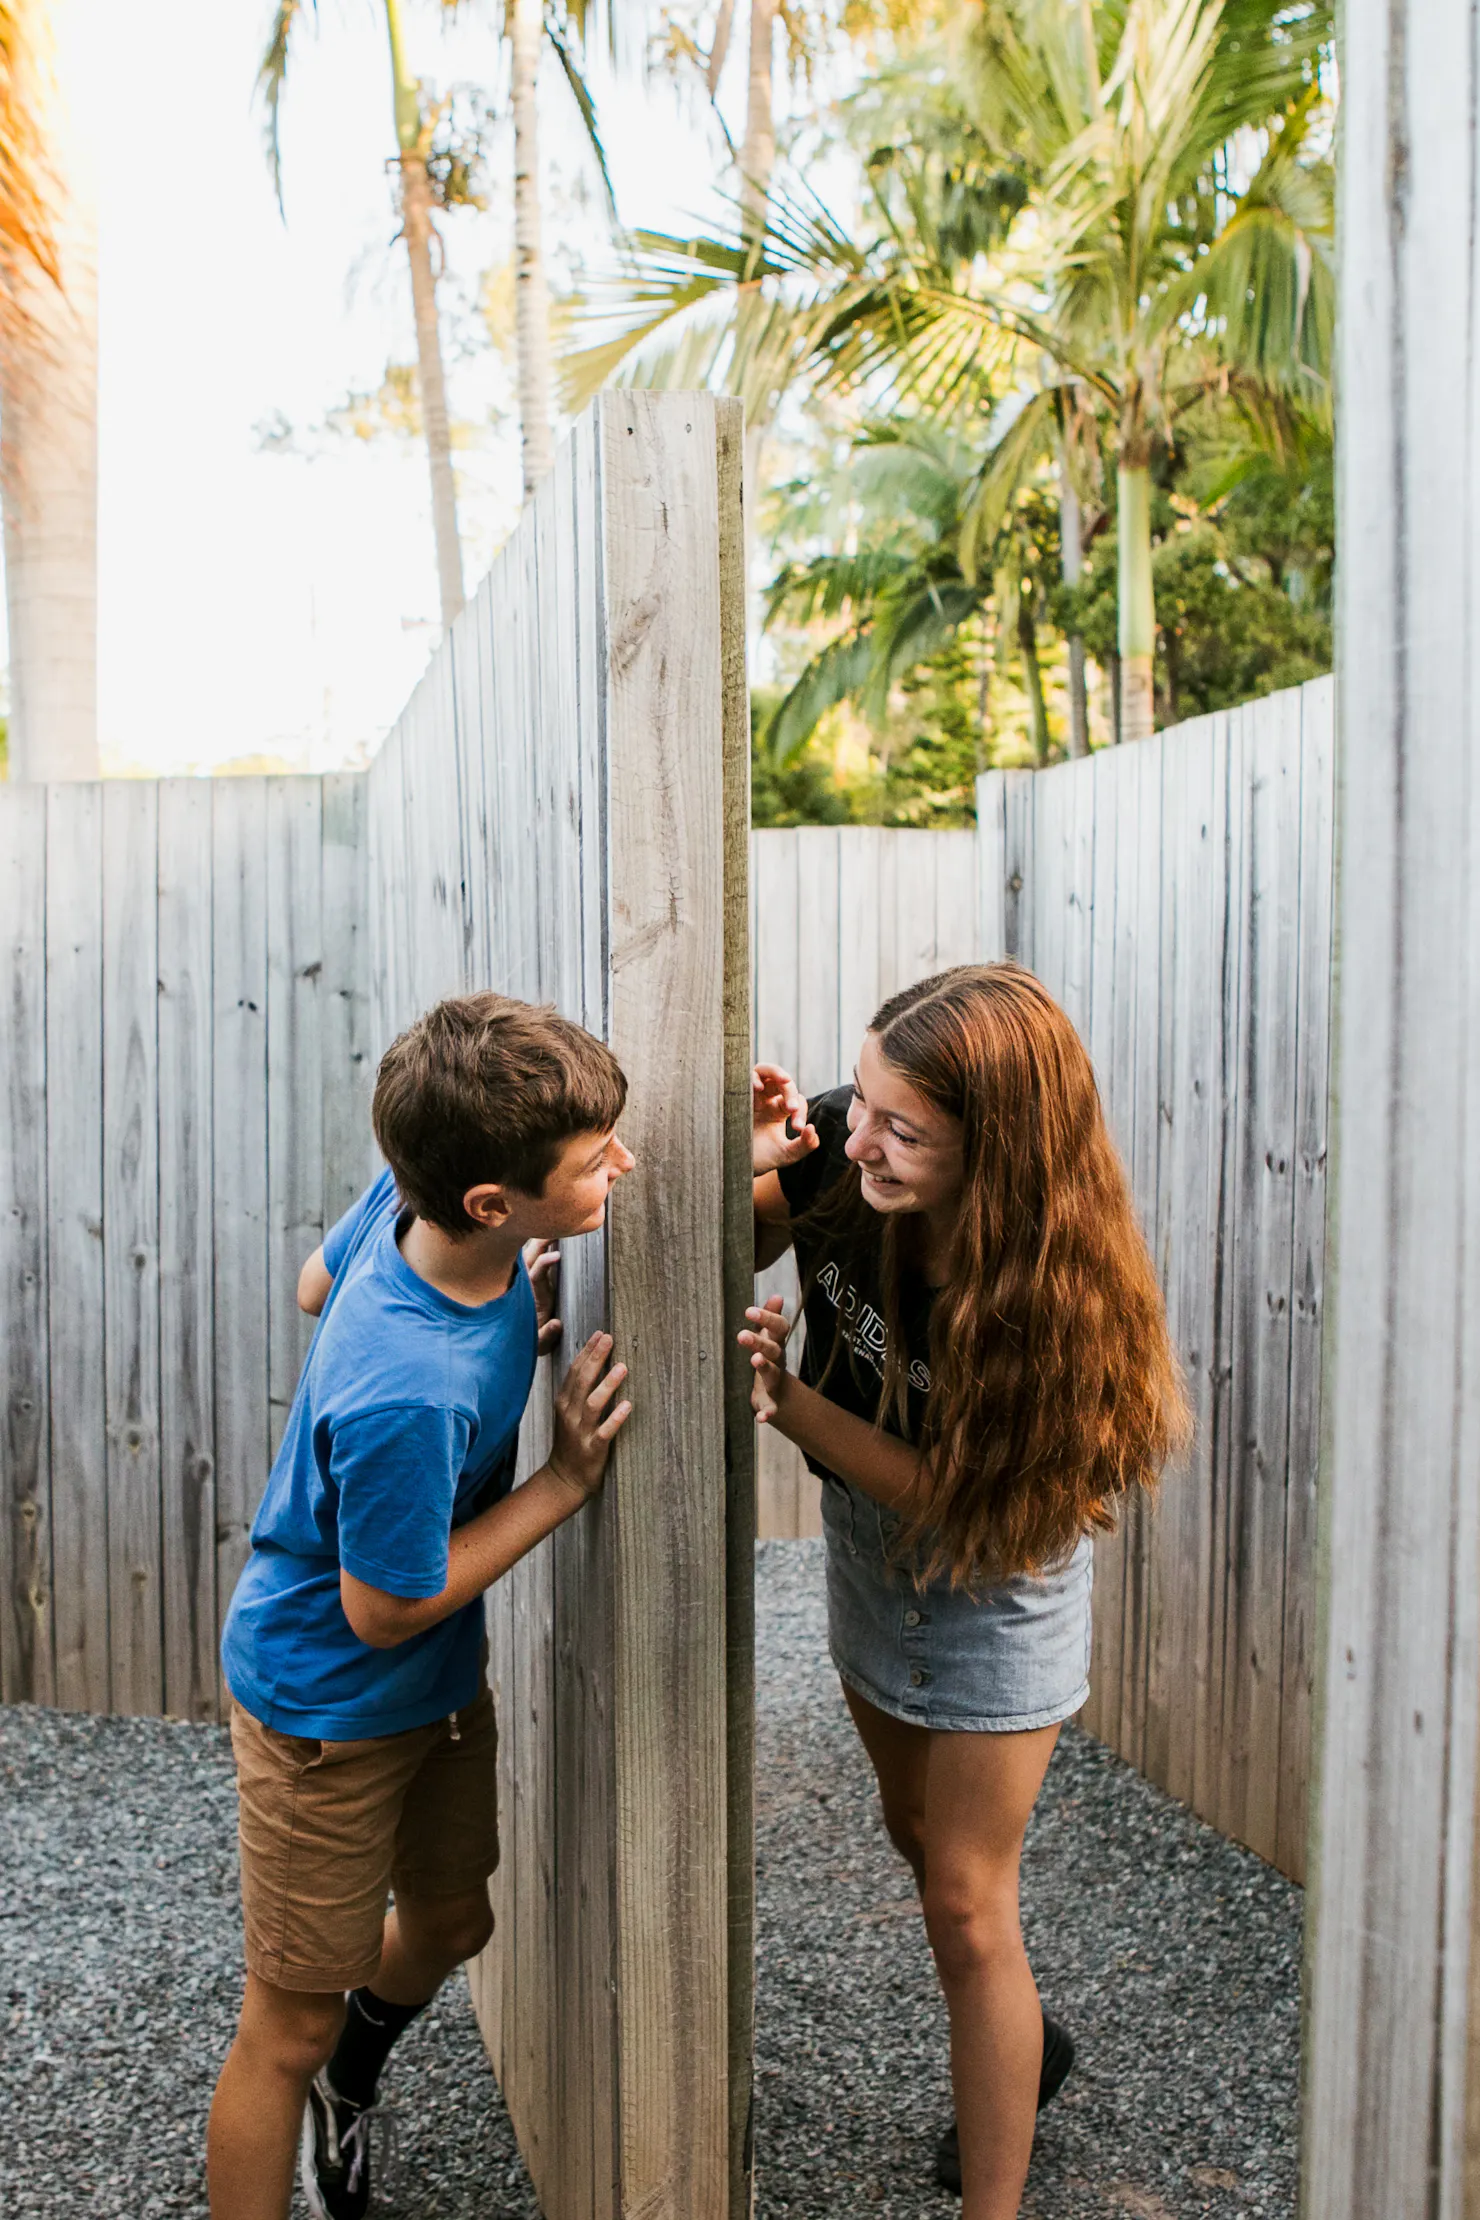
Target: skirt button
[
  {"x": 912, "y": 1618},
  {"x": 917, "y": 1678}
]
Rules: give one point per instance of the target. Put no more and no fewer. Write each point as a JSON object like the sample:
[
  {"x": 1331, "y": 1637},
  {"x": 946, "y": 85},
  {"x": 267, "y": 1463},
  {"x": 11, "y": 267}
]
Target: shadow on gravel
[{"x": 1173, "y": 1957}]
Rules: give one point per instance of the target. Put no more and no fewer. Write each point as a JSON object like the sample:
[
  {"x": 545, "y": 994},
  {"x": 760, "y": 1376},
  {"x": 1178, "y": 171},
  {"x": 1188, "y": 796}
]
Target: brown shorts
[{"x": 329, "y": 1828}]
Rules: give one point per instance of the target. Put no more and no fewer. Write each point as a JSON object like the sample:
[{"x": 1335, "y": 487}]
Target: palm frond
[
  {"x": 840, "y": 670},
  {"x": 1025, "y": 444},
  {"x": 559, "y": 23},
  {"x": 271, "y": 77}
]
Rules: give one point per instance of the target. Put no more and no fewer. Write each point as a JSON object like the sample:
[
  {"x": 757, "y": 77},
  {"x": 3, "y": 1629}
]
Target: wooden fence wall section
[
  {"x": 841, "y": 918},
  {"x": 182, "y": 1043},
  {"x": 1176, "y": 897},
  {"x": 550, "y": 817},
  {"x": 1392, "y": 2084}
]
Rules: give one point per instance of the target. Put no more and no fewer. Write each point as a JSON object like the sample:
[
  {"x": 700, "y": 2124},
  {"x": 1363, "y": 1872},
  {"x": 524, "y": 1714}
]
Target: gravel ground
[{"x": 1173, "y": 1956}]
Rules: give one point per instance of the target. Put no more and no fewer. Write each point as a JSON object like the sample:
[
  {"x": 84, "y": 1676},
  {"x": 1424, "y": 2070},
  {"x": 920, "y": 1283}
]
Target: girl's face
[{"x": 909, "y": 1152}]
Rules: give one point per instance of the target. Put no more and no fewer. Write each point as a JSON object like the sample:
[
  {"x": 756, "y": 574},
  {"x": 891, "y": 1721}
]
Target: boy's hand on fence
[
  {"x": 542, "y": 1262},
  {"x": 585, "y": 1427},
  {"x": 766, "y": 1338},
  {"x": 776, "y": 1105}
]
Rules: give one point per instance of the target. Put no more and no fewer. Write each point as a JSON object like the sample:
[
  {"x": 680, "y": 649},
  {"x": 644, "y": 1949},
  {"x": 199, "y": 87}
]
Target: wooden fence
[
  {"x": 198, "y": 979},
  {"x": 1177, "y": 898},
  {"x": 183, "y": 1050}
]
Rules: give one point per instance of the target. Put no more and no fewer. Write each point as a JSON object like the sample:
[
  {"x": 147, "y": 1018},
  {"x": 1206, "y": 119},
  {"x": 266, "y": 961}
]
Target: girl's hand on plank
[
  {"x": 586, "y": 1421},
  {"x": 777, "y": 1105},
  {"x": 542, "y": 1263},
  {"x": 766, "y": 1338}
]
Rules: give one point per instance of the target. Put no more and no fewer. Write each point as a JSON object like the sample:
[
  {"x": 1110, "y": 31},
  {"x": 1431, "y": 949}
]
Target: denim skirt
[{"x": 1002, "y": 1662}]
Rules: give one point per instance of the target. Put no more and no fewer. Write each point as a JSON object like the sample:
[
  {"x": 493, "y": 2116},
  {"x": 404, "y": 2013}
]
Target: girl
[{"x": 986, "y": 1372}]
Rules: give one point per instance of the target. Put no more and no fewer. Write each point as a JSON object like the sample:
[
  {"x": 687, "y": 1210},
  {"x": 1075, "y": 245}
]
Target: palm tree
[
  {"x": 48, "y": 397},
  {"x": 1055, "y": 210},
  {"x": 414, "y": 125},
  {"x": 528, "y": 25},
  {"x": 900, "y": 590}
]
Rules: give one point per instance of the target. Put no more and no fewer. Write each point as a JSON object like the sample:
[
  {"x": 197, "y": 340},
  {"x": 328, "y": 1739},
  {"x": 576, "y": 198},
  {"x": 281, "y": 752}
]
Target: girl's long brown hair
[{"x": 1055, "y": 1389}]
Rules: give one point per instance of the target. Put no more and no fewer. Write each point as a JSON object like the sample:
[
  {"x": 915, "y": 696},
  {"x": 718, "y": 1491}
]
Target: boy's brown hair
[{"x": 484, "y": 1088}]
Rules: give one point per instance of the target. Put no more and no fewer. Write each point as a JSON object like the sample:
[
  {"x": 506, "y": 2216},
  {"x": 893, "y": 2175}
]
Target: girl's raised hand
[
  {"x": 776, "y": 1105},
  {"x": 766, "y": 1338},
  {"x": 542, "y": 1262}
]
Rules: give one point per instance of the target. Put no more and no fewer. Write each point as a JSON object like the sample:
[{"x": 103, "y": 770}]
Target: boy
[{"x": 362, "y": 1723}]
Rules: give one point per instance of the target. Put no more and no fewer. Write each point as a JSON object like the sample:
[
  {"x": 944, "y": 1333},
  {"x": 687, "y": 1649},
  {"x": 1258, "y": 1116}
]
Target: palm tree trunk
[
  {"x": 416, "y": 223},
  {"x": 49, "y": 441},
  {"x": 416, "y": 227},
  {"x": 531, "y": 291},
  {"x": 759, "y": 156},
  {"x": 1071, "y": 545},
  {"x": 1137, "y": 607},
  {"x": 1027, "y": 632}
]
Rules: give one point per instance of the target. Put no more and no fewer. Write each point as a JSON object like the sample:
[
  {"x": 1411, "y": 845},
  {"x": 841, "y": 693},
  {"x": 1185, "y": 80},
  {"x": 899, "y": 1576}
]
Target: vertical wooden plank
[
  {"x": 1020, "y": 892},
  {"x": 186, "y": 1293},
  {"x": 953, "y": 866},
  {"x": 347, "y": 1065},
  {"x": 739, "y": 1244},
  {"x": 1393, "y": 2091},
  {"x": 917, "y": 864},
  {"x": 991, "y": 867},
  {"x": 130, "y": 821},
  {"x": 1090, "y": 795},
  {"x": 239, "y": 1164},
  {"x": 26, "y": 1665},
  {"x": 1224, "y": 1157},
  {"x": 295, "y": 1075},
  {"x": 1177, "y": 1557},
  {"x": 74, "y": 1063},
  {"x": 1198, "y": 1110},
  {"x": 1139, "y": 935},
  {"x": 813, "y": 960},
  {"x": 666, "y": 736},
  {"x": 1263, "y": 1243},
  {"x": 1312, "y": 1038},
  {"x": 861, "y": 986},
  {"x": 886, "y": 913},
  {"x": 1048, "y": 876},
  {"x": 589, "y": 1583}
]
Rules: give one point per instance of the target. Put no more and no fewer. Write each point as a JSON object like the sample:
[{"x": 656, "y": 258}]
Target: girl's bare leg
[{"x": 957, "y": 1807}]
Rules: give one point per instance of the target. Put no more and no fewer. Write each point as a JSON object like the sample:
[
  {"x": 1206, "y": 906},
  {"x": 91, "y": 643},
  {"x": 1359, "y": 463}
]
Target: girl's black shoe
[{"x": 1058, "y": 2057}]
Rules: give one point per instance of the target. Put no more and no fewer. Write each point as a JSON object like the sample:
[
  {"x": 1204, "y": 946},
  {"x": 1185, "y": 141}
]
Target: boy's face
[{"x": 582, "y": 1176}]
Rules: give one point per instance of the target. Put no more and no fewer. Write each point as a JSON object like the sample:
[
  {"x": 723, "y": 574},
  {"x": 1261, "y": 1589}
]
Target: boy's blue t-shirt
[{"x": 405, "y": 1423}]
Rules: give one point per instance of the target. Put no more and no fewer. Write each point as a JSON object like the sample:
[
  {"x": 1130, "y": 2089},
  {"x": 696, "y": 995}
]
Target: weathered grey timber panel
[
  {"x": 1393, "y": 2070},
  {"x": 549, "y": 818},
  {"x": 26, "y": 1674},
  {"x": 1176, "y": 896},
  {"x": 170, "y": 950},
  {"x": 74, "y": 1154},
  {"x": 186, "y": 1280},
  {"x": 130, "y": 1233}
]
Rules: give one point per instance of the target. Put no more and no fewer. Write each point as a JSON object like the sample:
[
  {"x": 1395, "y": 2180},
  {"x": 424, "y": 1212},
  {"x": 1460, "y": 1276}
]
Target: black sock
[{"x": 371, "y": 2026}]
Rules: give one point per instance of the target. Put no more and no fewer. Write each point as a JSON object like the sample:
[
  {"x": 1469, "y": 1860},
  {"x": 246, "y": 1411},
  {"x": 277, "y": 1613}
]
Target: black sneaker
[
  {"x": 334, "y": 2152},
  {"x": 1058, "y": 2057}
]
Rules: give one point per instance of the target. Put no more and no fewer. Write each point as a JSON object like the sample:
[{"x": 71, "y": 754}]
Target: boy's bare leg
[
  {"x": 426, "y": 1937},
  {"x": 282, "y": 2039}
]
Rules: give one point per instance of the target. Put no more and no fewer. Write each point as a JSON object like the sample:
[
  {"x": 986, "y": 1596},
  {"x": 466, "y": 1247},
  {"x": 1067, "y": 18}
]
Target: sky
[{"x": 267, "y": 587}]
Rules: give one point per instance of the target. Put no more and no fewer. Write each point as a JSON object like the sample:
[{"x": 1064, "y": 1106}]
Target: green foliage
[{"x": 1242, "y": 585}]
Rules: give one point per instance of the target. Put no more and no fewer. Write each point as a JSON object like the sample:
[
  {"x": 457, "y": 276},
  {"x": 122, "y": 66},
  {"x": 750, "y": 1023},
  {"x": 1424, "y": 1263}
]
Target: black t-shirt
[{"x": 856, "y": 1379}]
